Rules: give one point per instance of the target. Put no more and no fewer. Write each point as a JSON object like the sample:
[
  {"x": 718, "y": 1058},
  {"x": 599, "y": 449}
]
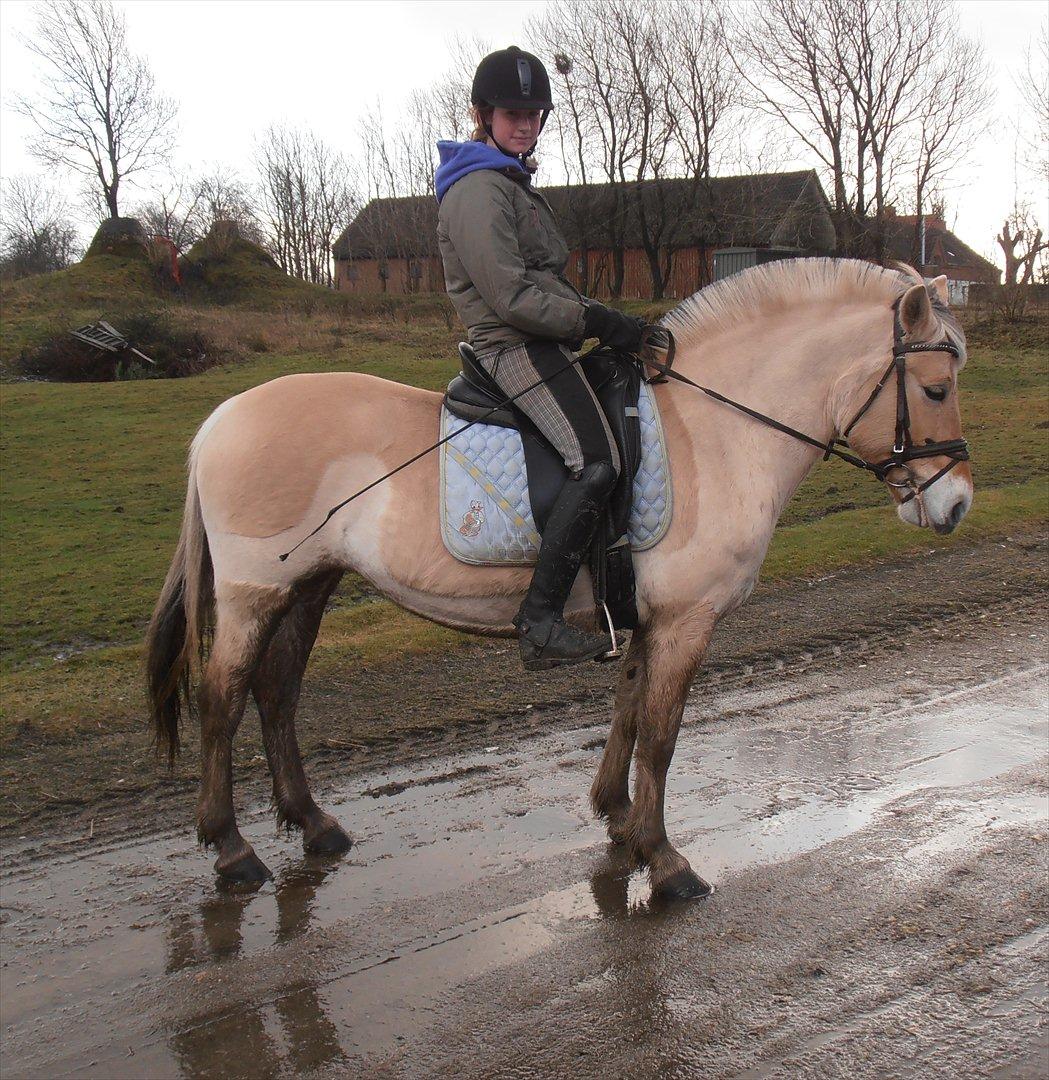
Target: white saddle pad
[{"x": 486, "y": 518}]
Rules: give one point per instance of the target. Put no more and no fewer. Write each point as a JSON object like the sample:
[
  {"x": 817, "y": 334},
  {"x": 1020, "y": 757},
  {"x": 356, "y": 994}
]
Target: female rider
[{"x": 504, "y": 258}]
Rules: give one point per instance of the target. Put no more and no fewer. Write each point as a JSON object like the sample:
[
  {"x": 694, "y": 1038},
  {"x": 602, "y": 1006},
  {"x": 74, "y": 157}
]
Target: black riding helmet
[{"x": 512, "y": 79}]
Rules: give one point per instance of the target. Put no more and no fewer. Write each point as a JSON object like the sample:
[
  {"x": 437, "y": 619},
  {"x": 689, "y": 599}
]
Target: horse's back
[{"x": 262, "y": 456}]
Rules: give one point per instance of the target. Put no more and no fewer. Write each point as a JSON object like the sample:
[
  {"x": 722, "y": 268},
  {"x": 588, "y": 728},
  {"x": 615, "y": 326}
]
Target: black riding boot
[{"x": 546, "y": 640}]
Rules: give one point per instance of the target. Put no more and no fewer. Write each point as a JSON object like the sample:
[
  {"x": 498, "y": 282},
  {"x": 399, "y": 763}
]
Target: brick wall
[{"x": 692, "y": 268}]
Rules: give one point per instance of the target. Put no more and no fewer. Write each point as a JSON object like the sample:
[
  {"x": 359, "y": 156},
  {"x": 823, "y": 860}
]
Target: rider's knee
[{"x": 599, "y": 476}]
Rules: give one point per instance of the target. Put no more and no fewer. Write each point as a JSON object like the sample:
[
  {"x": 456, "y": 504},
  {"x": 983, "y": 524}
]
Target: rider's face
[{"x": 516, "y": 130}]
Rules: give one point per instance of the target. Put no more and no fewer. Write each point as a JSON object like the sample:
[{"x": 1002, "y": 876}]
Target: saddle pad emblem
[
  {"x": 486, "y": 517},
  {"x": 473, "y": 521}
]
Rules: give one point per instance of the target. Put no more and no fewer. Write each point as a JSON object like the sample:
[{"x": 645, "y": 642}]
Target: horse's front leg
[
  {"x": 610, "y": 791},
  {"x": 673, "y": 649}
]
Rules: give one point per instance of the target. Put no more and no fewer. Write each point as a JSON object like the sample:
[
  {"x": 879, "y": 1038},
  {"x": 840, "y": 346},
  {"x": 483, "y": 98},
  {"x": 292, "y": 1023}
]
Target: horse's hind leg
[
  {"x": 276, "y": 686},
  {"x": 610, "y": 791},
  {"x": 245, "y": 618},
  {"x": 674, "y": 648}
]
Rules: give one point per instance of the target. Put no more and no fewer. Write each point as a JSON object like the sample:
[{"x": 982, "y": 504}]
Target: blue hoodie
[{"x": 460, "y": 158}]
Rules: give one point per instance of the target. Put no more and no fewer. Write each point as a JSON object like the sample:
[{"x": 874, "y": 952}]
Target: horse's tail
[{"x": 181, "y": 622}]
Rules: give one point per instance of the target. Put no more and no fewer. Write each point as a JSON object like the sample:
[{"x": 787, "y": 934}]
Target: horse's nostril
[{"x": 957, "y": 512}]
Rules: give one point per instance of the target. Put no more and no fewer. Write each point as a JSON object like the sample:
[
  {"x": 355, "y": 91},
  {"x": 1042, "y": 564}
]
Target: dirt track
[
  {"x": 870, "y": 801},
  {"x": 111, "y": 783}
]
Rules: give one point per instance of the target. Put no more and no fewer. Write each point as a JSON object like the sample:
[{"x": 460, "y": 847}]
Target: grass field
[{"x": 94, "y": 478}]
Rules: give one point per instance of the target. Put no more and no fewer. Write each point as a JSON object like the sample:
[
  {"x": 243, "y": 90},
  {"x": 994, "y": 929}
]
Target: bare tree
[
  {"x": 185, "y": 210},
  {"x": 98, "y": 112},
  {"x": 397, "y": 167},
  {"x": 174, "y": 212},
  {"x": 643, "y": 89},
  {"x": 702, "y": 91},
  {"x": 1022, "y": 242},
  {"x": 786, "y": 60},
  {"x": 222, "y": 195},
  {"x": 1033, "y": 83},
  {"x": 952, "y": 109},
  {"x": 1025, "y": 250},
  {"x": 36, "y": 234},
  {"x": 449, "y": 98},
  {"x": 638, "y": 42},
  {"x": 602, "y": 134},
  {"x": 860, "y": 83},
  {"x": 305, "y": 197}
]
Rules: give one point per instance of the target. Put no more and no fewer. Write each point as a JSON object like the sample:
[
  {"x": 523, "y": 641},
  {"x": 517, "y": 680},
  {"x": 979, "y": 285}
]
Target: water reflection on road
[{"x": 128, "y": 962}]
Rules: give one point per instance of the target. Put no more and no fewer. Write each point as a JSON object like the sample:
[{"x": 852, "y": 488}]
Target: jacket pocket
[{"x": 532, "y": 236}]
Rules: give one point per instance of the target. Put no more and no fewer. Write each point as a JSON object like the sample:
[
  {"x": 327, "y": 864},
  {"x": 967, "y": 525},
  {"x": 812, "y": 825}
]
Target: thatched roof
[{"x": 787, "y": 210}]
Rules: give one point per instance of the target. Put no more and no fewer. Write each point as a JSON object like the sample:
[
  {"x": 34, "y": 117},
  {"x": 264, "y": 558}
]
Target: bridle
[{"x": 903, "y": 448}]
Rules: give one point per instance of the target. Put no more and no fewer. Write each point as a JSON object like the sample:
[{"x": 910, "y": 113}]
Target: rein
[{"x": 903, "y": 448}]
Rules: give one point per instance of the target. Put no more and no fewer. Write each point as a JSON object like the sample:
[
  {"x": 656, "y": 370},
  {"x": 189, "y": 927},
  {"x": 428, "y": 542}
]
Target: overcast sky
[{"x": 235, "y": 66}]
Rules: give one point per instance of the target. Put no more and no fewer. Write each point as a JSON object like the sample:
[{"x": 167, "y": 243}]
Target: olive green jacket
[{"x": 504, "y": 259}]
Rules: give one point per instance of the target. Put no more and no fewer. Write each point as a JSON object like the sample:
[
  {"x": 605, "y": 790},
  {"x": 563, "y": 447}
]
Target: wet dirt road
[{"x": 875, "y": 823}]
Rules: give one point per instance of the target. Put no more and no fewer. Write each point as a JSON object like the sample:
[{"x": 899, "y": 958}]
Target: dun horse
[{"x": 804, "y": 341}]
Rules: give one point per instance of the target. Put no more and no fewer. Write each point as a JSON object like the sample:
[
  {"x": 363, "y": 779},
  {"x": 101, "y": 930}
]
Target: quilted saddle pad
[{"x": 486, "y": 518}]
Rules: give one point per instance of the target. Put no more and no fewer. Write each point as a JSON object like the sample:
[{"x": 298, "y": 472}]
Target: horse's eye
[{"x": 937, "y": 393}]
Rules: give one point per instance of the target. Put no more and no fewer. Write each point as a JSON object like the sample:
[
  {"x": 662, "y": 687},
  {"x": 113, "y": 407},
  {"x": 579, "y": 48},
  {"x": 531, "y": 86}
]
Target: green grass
[
  {"x": 93, "y": 484},
  {"x": 38, "y": 308},
  {"x": 93, "y": 480},
  {"x": 859, "y": 536},
  {"x": 216, "y": 290}
]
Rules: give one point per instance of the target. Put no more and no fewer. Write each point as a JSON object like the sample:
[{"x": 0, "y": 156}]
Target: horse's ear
[
  {"x": 916, "y": 314},
  {"x": 938, "y": 285}
]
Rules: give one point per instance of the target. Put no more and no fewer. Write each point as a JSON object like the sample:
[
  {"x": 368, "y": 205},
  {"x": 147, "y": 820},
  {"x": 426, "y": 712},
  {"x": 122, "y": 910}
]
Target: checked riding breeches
[{"x": 565, "y": 409}]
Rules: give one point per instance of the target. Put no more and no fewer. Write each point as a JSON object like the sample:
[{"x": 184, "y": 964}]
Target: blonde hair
[{"x": 477, "y": 113}]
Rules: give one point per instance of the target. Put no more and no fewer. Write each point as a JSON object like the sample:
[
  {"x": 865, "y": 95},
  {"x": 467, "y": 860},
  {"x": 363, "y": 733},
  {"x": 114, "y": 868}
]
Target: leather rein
[{"x": 903, "y": 448}]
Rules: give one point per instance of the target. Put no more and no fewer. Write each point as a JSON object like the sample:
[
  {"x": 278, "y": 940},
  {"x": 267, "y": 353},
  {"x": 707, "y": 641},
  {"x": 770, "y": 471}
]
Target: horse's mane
[{"x": 779, "y": 285}]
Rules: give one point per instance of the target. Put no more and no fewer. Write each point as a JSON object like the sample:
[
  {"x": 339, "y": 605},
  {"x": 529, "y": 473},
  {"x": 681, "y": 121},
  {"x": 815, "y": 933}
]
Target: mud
[
  {"x": 872, "y": 809},
  {"x": 110, "y": 784}
]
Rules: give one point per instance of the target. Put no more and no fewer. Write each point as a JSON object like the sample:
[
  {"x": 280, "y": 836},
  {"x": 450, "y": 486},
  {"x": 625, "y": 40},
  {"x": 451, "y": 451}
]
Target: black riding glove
[{"x": 613, "y": 328}]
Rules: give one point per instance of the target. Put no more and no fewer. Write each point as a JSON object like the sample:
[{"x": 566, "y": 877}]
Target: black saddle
[{"x": 616, "y": 380}]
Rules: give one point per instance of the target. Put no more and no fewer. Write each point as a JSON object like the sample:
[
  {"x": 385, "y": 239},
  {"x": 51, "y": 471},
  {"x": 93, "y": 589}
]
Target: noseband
[{"x": 903, "y": 448}]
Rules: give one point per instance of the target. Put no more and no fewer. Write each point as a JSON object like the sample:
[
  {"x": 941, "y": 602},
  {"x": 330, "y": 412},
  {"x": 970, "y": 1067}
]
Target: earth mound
[
  {"x": 123, "y": 237},
  {"x": 225, "y": 267}
]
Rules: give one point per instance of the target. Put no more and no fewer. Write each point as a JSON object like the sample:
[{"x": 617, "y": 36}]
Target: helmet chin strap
[{"x": 525, "y": 154}]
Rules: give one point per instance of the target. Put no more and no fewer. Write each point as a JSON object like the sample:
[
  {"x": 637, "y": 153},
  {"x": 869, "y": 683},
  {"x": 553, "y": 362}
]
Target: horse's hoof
[
  {"x": 333, "y": 841},
  {"x": 684, "y": 885},
  {"x": 249, "y": 869}
]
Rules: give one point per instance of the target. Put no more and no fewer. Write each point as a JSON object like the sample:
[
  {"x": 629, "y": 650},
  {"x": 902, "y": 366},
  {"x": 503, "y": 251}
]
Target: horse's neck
[{"x": 786, "y": 368}]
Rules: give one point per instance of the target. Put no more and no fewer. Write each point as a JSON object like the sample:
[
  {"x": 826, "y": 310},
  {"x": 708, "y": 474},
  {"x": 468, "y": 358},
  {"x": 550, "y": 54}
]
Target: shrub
[{"x": 176, "y": 352}]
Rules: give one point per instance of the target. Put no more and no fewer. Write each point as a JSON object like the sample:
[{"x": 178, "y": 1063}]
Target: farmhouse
[
  {"x": 909, "y": 238},
  {"x": 694, "y": 233}
]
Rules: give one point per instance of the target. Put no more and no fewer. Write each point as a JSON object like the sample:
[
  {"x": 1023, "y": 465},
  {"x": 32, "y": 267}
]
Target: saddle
[{"x": 616, "y": 381}]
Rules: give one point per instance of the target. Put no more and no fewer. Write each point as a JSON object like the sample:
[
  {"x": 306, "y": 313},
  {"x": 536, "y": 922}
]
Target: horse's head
[{"x": 910, "y": 429}]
